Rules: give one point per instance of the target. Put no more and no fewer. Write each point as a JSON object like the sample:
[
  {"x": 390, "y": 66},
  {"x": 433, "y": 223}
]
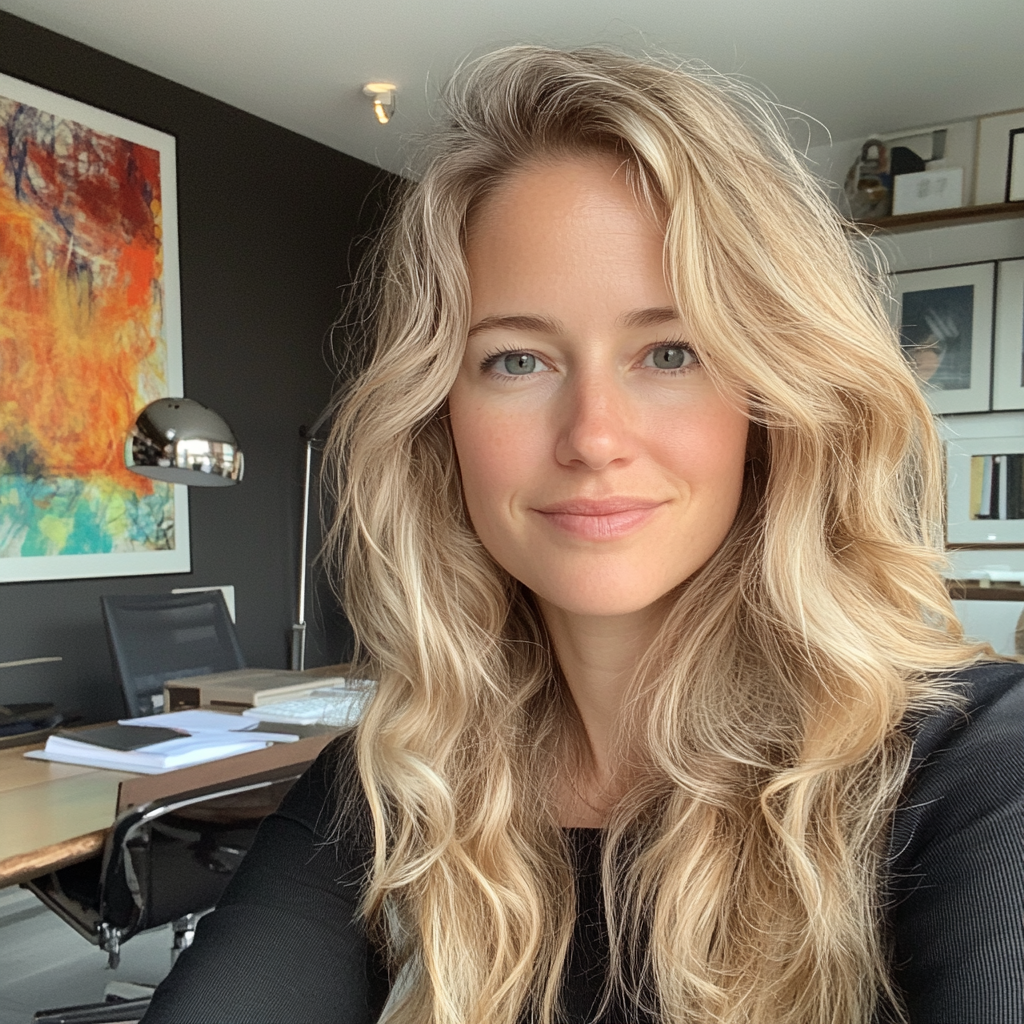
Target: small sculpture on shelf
[{"x": 868, "y": 185}]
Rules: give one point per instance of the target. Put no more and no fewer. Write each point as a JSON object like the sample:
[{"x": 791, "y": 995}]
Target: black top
[{"x": 284, "y": 943}]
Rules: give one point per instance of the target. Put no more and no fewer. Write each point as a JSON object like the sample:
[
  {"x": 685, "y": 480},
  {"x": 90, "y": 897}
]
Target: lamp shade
[{"x": 183, "y": 442}]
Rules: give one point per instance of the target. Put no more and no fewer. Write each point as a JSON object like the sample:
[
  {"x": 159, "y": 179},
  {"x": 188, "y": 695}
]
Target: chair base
[{"x": 112, "y": 1011}]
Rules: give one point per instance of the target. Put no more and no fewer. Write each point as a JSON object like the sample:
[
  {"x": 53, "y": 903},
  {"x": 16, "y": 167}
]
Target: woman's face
[{"x": 600, "y": 465}]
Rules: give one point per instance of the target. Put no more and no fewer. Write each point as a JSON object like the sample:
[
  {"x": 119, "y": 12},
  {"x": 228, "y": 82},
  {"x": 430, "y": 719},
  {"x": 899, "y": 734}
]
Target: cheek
[
  {"x": 709, "y": 451},
  {"x": 497, "y": 455}
]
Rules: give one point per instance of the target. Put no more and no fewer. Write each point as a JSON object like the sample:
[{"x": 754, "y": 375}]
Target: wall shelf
[
  {"x": 943, "y": 218},
  {"x": 971, "y": 590}
]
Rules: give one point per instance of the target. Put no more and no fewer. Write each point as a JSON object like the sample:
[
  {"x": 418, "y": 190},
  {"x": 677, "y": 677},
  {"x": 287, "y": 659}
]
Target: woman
[{"x": 640, "y": 526}]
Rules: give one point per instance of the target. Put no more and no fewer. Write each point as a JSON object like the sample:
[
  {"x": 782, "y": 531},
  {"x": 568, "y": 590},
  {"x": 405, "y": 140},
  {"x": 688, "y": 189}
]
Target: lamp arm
[{"x": 309, "y": 433}]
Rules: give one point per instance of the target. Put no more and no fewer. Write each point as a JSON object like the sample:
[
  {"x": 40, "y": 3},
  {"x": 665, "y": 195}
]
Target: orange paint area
[{"x": 81, "y": 306}]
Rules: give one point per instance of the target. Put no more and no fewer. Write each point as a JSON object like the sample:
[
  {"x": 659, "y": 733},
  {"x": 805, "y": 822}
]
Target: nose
[{"x": 597, "y": 422}]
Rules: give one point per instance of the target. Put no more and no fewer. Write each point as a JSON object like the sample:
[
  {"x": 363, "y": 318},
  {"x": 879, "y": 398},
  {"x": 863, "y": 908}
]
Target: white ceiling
[{"x": 858, "y": 66}]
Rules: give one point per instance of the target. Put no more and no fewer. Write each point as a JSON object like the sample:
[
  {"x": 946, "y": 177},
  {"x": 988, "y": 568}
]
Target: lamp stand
[{"x": 298, "y": 653}]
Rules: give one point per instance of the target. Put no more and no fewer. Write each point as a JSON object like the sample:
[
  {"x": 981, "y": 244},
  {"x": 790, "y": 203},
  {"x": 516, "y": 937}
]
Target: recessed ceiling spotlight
[{"x": 383, "y": 94}]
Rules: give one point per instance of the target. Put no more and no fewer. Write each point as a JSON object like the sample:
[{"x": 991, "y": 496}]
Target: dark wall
[{"x": 270, "y": 224}]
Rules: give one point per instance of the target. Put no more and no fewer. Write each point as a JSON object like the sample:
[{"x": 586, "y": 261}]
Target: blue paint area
[
  {"x": 25, "y": 124},
  {"x": 17, "y": 147},
  {"x": 62, "y": 516},
  {"x": 150, "y": 520},
  {"x": 88, "y": 536}
]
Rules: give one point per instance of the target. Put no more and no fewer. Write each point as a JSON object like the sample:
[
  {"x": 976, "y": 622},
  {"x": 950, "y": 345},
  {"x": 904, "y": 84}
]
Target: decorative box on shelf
[{"x": 923, "y": 191}]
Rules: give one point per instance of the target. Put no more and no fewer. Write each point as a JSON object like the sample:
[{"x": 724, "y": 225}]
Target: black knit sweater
[{"x": 284, "y": 945}]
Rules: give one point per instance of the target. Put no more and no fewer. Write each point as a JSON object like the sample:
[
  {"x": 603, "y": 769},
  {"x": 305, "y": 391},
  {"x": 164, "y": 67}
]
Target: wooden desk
[
  {"x": 51, "y": 814},
  {"x": 55, "y": 814}
]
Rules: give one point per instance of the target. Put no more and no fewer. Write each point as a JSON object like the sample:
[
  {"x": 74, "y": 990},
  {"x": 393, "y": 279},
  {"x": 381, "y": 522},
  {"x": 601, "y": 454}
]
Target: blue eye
[
  {"x": 512, "y": 364},
  {"x": 519, "y": 363},
  {"x": 670, "y": 357}
]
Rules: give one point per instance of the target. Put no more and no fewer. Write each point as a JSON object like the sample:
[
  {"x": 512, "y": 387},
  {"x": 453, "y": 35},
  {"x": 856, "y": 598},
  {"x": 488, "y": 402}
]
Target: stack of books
[
  {"x": 249, "y": 687},
  {"x": 159, "y": 743}
]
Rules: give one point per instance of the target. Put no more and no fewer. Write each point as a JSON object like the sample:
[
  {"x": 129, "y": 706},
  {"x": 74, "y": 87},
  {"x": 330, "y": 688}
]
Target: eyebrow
[
  {"x": 517, "y": 322},
  {"x": 650, "y": 317}
]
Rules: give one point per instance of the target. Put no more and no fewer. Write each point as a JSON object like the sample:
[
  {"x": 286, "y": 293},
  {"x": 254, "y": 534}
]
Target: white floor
[{"x": 44, "y": 963}]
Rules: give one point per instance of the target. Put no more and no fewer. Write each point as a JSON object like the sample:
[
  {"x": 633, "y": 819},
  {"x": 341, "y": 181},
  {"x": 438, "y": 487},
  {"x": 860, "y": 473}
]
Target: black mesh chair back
[{"x": 156, "y": 637}]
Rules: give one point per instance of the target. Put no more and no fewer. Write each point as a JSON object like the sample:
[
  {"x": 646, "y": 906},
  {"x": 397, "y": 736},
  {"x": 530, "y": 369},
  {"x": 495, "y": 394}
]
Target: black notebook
[{"x": 122, "y": 737}]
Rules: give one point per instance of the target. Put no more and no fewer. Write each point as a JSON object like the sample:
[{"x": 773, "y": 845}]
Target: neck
[{"x": 598, "y": 656}]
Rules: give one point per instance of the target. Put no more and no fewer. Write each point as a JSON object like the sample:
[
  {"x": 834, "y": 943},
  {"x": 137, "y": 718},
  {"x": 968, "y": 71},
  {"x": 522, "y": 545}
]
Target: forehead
[
  {"x": 566, "y": 227},
  {"x": 568, "y": 179}
]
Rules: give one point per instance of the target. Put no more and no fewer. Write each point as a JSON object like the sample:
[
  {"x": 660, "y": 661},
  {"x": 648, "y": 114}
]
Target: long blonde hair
[{"x": 741, "y": 871}]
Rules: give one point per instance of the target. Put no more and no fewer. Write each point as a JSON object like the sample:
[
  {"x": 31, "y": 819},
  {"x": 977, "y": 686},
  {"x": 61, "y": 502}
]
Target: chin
[{"x": 608, "y": 599}]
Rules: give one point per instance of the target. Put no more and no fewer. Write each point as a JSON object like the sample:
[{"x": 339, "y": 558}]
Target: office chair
[
  {"x": 167, "y": 861},
  {"x": 156, "y": 637}
]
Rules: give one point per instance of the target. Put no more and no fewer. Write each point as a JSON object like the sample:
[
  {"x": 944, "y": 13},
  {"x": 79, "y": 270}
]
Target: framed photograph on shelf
[
  {"x": 90, "y": 333},
  {"x": 945, "y": 323},
  {"x": 992, "y": 156},
  {"x": 985, "y": 490},
  {"x": 1008, "y": 350},
  {"x": 1015, "y": 171}
]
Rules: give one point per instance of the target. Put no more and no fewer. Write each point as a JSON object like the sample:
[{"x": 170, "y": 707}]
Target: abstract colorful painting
[{"x": 89, "y": 334}]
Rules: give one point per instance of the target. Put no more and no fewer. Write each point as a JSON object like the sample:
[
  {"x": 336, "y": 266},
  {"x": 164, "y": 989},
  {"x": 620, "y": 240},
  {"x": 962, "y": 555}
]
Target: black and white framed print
[
  {"x": 992, "y": 159},
  {"x": 985, "y": 490},
  {"x": 1008, "y": 350},
  {"x": 1015, "y": 167},
  {"x": 945, "y": 323}
]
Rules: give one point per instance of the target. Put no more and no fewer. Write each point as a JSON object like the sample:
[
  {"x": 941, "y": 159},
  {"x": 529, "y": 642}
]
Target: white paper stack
[
  {"x": 200, "y": 722},
  {"x": 152, "y": 759},
  {"x": 204, "y": 736}
]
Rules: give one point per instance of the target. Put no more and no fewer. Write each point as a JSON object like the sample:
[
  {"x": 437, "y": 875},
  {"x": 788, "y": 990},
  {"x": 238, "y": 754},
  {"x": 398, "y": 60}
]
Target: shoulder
[
  {"x": 955, "y": 885},
  {"x": 970, "y": 757},
  {"x": 968, "y": 760},
  {"x": 994, "y": 698},
  {"x": 327, "y": 786},
  {"x": 328, "y": 798},
  {"x": 287, "y": 941}
]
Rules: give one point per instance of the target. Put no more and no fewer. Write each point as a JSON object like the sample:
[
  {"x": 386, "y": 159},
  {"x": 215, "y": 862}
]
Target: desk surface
[
  {"x": 55, "y": 814},
  {"x": 52, "y": 814}
]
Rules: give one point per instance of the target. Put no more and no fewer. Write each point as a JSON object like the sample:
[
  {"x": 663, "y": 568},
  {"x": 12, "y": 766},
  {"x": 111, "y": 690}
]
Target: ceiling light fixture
[{"x": 383, "y": 94}]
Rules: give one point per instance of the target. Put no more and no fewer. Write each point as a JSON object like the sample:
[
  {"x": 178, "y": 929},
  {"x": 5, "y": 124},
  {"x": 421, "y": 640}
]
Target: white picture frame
[
  {"x": 963, "y": 500},
  {"x": 1008, "y": 346},
  {"x": 992, "y": 155},
  {"x": 945, "y": 319},
  {"x": 1015, "y": 170},
  {"x": 134, "y": 528}
]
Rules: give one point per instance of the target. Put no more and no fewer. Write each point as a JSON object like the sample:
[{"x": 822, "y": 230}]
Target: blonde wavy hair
[{"x": 765, "y": 728}]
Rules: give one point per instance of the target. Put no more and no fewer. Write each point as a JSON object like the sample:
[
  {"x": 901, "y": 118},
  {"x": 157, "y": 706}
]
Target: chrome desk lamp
[{"x": 182, "y": 442}]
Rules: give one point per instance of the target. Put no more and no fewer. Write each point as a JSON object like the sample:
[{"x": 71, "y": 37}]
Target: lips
[{"x": 600, "y": 518}]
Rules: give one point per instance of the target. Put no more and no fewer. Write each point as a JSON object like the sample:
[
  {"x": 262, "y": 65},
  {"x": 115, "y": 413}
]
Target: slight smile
[{"x": 600, "y": 519}]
